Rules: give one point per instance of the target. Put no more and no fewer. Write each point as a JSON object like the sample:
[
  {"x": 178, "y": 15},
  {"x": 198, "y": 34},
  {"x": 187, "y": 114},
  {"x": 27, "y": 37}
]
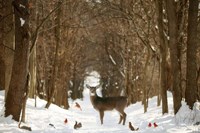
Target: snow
[
  {"x": 165, "y": 20},
  {"x": 22, "y": 21},
  {"x": 20, "y": 5},
  {"x": 156, "y": 27},
  {"x": 113, "y": 61},
  {"x": 39, "y": 118},
  {"x": 93, "y": 80},
  {"x": 188, "y": 116},
  {"x": 136, "y": 78}
]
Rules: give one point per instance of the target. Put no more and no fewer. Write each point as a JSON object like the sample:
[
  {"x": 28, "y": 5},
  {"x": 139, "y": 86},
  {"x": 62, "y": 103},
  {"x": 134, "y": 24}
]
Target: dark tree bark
[
  {"x": 163, "y": 52},
  {"x": 175, "y": 61},
  {"x": 2, "y": 63},
  {"x": 1, "y": 50},
  {"x": 191, "y": 85},
  {"x": 8, "y": 41},
  {"x": 14, "y": 100},
  {"x": 2, "y": 68}
]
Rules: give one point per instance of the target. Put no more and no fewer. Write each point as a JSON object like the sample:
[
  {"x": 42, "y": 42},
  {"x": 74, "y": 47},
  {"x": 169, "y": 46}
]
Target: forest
[{"x": 139, "y": 48}]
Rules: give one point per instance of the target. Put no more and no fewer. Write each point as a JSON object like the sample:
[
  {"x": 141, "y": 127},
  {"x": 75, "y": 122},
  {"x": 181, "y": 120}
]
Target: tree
[
  {"x": 2, "y": 68},
  {"x": 7, "y": 42},
  {"x": 2, "y": 59},
  {"x": 16, "y": 92},
  {"x": 55, "y": 60},
  {"x": 163, "y": 52},
  {"x": 175, "y": 60},
  {"x": 191, "y": 85}
]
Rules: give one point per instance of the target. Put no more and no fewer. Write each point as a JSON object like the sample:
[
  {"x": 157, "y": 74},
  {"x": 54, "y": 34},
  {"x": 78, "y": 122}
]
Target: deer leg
[
  {"x": 124, "y": 118},
  {"x": 122, "y": 115},
  {"x": 120, "y": 119},
  {"x": 101, "y": 116}
]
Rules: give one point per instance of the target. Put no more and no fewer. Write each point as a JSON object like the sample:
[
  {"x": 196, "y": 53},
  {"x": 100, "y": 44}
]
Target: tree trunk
[
  {"x": 144, "y": 100},
  {"x": 76, "y": 84},
  {"x": 53, "y": 80},
  {"x": 175, "y": 61},
  {"x": 191, "y": 85},
  {"x": 55, "y": 65},
  {"x": 2, "y": 68},
  {"x": 14, "y": 100},
  {"x": 32, "y": 68},
  {"x": 8, "y": 41},
  {"x": 27, "y": 88},
  {"x": 2, "y": 58},
  {"x": 59, "y": 85},
  {"x": 127, "y": 77},
  {"x": 198, "y": 88},
  {"x": 163, "y": 52}
]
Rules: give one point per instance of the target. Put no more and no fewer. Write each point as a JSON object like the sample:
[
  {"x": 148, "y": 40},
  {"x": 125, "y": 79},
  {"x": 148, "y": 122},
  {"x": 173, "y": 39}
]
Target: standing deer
[{"x": 108, "y": 103}]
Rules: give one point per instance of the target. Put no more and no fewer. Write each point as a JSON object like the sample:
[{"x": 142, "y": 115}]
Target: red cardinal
[
  {"x": 149, "y": 125},
  {"x": 65, "y": 121},
  {"x": 78, "y": 106},
  {"x": 155, "y": 125}
]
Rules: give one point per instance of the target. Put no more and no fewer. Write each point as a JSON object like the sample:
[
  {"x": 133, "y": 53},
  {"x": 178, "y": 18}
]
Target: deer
[{"x": 102, "y": 104}]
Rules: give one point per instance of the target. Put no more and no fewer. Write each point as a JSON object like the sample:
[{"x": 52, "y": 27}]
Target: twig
[
  {"x": 8, "y": 47},
  {"x": 35, "y": 35}
]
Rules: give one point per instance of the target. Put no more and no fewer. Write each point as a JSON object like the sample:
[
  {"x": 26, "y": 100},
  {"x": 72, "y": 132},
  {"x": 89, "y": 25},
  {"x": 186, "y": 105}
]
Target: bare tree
[
  {"x": 7, "y": 40},
  {"x": 55, "y": 60},
  {"x": 15, "y": 97},
  {"x": 191, "y": 88},
  {"x": 175, "y": 61},
  {"x": 163, "y": 52}
]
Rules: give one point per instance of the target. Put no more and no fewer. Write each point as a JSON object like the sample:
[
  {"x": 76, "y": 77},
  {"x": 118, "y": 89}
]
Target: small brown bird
[
  {"x": 52, "y": 125},
  {"x": 149, "y": 125},
  {"x": 78, "y": 106},
  {"x": 65, "y": 121},
  {"x": 155, "y": 125},
  {"x": 77, "y": 125},
  {"x": 132, "y": 128}
]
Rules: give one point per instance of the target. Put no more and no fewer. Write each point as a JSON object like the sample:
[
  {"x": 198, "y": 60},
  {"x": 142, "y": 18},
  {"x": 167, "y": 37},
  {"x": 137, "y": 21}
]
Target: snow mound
[{"x": 187, "y": 116}]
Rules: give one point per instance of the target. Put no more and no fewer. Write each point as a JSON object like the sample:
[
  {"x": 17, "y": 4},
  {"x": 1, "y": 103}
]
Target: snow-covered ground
[{"x": 39, "y": 118}]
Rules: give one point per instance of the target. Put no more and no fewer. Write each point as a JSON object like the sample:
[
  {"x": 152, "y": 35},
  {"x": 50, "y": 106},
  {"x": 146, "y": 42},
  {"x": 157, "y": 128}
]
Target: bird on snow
[
  {"x": 65, "y": 121},
  {"x": 155, "y": 125},
  {"x": 77, "y": 125},
  {"x": 149, "y": 125},
  {"x": 52, "y": 125},
  {"x": 78, "y": 106},
  {"x": 132, "y": 128}
]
